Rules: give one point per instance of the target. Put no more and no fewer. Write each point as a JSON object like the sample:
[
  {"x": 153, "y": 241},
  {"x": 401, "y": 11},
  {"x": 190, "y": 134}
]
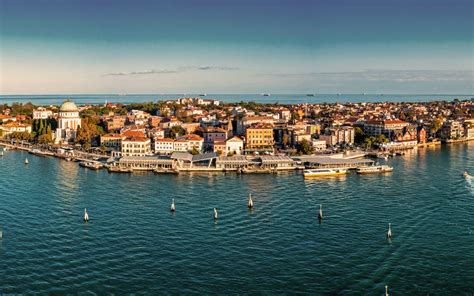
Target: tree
[
  {"x": 304, "y": 147},
  {"x": 381, "y": 139},
  {"x": 359, "y": 135},
  {"x": 436, "y": 125},
  {"x": 177, "y": 131},
  {"x": 83, "y": 135},
  {"x": 285, "y": 140},
  {"x": 195, "y": 151}
]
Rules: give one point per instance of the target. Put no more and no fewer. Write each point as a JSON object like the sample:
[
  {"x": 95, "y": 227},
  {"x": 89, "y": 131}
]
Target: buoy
[
  {"x": 215, "y": 214},
  {"x": 250, "y": 203},
  {"x": 320, "y": 214},
  {"x": 26, "y": 161},
  {"x": 86, "y": 216},
  {"x": 173, "y": 207},
  {"x": 389, "y": 232},
  {"x": 386, "y": 290}
]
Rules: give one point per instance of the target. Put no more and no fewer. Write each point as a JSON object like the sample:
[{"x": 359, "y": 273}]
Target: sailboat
[{"x": 26, "y": 161}]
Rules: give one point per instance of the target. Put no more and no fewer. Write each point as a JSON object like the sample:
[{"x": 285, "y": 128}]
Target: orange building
[{"x": 259, "y": 137}]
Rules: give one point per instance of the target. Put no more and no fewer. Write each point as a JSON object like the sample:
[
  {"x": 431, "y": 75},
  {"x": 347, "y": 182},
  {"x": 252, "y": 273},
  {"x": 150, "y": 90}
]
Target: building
[
  {"x": 117, "y": 122},
  {"x": 42, "y": 113},
  {"x": 234, "y": 145},
  {"x": 112, "y": 141},
  {"x": 386, "y": 127},
  {"x": 6, "y": 118},
  {"x": 452, "y": 129},
  {"x": 318, "y": 145},
  {"x": 213, "y": 134},
  {"x": 338, "y": 136},
  {"x": 68, "y": 122},
  {"x": 251, "y": 120},
  {"x": 164, "y": 146},
  {"x": 408, "y": 133},
  {"x": 259, "y": 137},
  {"x": 14, "y": 127},
  {"x": 188, "y": 143},
  {"x": 136, "y": 146},
  {"x": 219, "y": 147},
  {"x": 421, "y": 134}
]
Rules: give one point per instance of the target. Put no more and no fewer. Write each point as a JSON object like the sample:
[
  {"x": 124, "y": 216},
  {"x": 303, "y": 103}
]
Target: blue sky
[{"x": 236, "y": 46}]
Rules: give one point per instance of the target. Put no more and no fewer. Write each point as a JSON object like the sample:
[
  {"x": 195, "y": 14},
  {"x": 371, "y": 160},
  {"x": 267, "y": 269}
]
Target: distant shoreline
[{"x": 85, "y": 99}]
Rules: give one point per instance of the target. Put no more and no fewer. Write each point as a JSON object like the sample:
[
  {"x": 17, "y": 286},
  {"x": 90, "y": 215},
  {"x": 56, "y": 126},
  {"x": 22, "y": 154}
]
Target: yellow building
[
  {"x": 112, "y": 141},
  {"x": 259, "y": 137}
]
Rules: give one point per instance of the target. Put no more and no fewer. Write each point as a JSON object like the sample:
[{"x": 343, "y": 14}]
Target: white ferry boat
[
  {"x": 323, "y": 172},
  {"x": 374, "y": 169}
]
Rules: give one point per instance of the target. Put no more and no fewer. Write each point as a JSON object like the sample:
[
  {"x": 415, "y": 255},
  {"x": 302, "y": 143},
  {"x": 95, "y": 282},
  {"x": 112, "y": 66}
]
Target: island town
[{"x": 198, "y": 134}]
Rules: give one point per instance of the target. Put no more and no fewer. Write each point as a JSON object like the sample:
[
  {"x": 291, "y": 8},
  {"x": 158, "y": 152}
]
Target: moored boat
[
  {"x": 91, "y": 165},
  {"x": 374, "y": 169},
  {"x": 323, "y": 172}
]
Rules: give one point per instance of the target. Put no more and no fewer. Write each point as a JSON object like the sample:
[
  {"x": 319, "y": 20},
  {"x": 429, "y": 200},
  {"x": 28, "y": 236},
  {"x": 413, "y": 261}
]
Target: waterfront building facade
[
  {"x": 164, "y": 146},
  {"x": 452, "y": 129},
  {"x": 259, "y": 137},
  {"x": 188, "y": 143},
  {"x": 112, "y": 141},
  {"x": 386, "y": 127},
  {"x": 339, "y": 136},
  {"x": 136, "y": 146},
  {"x": 69, "y": 123},
  {"x": 213, "y": 134}
]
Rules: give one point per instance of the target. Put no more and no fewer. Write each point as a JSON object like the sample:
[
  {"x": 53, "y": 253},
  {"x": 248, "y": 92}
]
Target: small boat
[
  {"x": 26, "y": 161},
  {"x": 266, "y": 95},
  {"x": 310, "y": 95},
  {"x": 323, "y": 172},
  {"x": 202, "y": 95},
  {"x": 91, "y": 165},
  {"x": 117, "y": 169},
  {"x": 467, "y": 175},
  {"x": 374, "y": 169},
  {"x": 1, "y": 153}
]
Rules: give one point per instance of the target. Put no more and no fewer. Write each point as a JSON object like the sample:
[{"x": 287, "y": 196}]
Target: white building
[
  {"x": 234, "y": 145},
  {"x": 319, "y": 145},
  {"x": 136, "y": 146},
  {"x": 164, "y": 146},
  {"x": 68, "y": 122},
  {"x": 13, "y": 127},
  {"x": 188, "y": 142},
  {"x": 42, "y": 113}
]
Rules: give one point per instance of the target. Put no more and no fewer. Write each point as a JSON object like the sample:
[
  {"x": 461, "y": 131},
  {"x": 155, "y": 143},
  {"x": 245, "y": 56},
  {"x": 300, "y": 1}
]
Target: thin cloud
[
  {"x": 205, "y": 68},
  {"x": 145, "y": 72},
  {"x": 178, "y": 70}
]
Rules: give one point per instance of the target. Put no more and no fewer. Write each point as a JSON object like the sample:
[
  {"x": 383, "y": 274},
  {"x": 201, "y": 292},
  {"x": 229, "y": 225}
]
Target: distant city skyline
[{"x": 227, "y": 46}]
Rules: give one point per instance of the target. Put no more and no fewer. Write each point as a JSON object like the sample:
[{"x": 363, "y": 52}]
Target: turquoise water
[
  {"x": 274, "y": 98},
  {"x": 134, "y": 244}
]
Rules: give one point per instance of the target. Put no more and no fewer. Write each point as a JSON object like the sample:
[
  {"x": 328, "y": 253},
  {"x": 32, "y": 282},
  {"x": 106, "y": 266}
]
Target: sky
[{"x": 236, "y": 46}]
